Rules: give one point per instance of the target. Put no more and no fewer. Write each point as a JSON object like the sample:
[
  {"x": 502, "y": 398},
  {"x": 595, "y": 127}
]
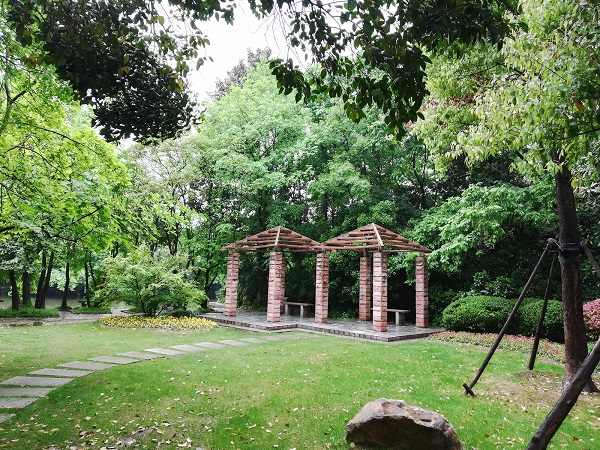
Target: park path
[{"x": 21, "y": 391}]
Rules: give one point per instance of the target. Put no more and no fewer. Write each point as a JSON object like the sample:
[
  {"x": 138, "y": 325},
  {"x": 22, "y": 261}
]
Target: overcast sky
[{"x": 229, "y": 44}]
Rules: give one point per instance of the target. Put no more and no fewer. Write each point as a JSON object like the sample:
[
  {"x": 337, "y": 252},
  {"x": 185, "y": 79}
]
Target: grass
[{"x": 289, "y": 394}]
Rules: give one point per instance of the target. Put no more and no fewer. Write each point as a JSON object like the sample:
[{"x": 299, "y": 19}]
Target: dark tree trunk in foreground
[
  {"x": 575, "y": 339},
  {"x": 26, "y": 289},
  {"x": 15, "y": 290},
  {"x": 64, "y": 305},
  {"x": 40, "y": 285}
]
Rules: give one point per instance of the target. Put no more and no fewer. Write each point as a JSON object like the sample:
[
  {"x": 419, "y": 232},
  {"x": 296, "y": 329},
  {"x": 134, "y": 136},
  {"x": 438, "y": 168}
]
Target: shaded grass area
[{"x": 289, "y": 394}]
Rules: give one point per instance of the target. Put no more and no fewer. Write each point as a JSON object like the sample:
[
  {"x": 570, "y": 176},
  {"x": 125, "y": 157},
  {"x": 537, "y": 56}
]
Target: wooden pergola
[
  {"x": 379, "y": 242},
  {"x": 370, "y": 239},
  {"x": 276, "y": 240}
]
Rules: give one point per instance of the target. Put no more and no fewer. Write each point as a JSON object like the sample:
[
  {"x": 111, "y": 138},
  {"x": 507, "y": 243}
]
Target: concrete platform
[
  {"x": 163, "y": 351},
  {"x": 24, "y": 392},
  {"x": 210, "y": 345},
  {"x": 114, "y": 360},
  {"x": 140, "y": 355},
  {"x": 61, "y": 372},
  {"x": 5, "y": 417},
  {"x": 85, "y": 365},
  {"x": 188, "y": 348},
  {"x": 37, "y": 381},
  {"x": 234, "y": 343},
  {"x": 352, "y": 328}
]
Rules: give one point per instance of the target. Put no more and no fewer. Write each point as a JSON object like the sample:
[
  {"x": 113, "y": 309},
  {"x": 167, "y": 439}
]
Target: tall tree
[{"x": 546, "y": 110}]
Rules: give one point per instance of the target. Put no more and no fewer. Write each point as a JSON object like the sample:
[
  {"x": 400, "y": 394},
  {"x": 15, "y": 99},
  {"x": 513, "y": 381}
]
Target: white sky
[{"x": 229, "y": 45}]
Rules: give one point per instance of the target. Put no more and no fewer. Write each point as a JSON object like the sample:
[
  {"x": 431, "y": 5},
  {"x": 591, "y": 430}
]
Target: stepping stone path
[{"x": 21, "y": 391}]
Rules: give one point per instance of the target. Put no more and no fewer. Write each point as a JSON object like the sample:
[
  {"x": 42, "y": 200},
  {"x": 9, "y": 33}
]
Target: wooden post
[
  {"x": 538, "y": 331},
  {"x": 469, "y": 387},
  {"x": 567, "y": 400}
]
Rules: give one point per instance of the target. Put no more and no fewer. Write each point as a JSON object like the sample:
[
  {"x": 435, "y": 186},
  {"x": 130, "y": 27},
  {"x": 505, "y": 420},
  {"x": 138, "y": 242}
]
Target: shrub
[
  {"x": 479, "y": 313},
  {"x": 170, "y": 323},
  {"x": 528, "y": 316},
  {"x": 591, "y": 316},
  {"x": 28, "y": 311},
  {"x": 147, "y": 284}
]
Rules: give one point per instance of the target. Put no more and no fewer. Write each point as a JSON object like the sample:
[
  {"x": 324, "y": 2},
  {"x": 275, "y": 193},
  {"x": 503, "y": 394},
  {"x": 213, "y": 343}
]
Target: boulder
[{"x": 397, "y": 425}]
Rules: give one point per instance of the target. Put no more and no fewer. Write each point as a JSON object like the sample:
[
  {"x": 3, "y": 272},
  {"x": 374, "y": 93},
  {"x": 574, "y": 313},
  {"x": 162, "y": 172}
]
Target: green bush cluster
[
  {"x": 487, "y": 314},
  {"x": 27, "y": 311}
]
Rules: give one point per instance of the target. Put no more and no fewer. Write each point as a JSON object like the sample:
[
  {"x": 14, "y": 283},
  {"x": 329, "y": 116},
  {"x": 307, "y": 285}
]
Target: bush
[
  {"x": 479, "y": 314},
  {"x": 146, "y": 284},
  {"x": 591, "y": 316},
  {"x": 28, "y": 311},
  {"x": 529, "y": 313}
]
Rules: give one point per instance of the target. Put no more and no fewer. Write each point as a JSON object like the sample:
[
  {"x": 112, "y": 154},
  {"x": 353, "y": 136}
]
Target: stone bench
[
  {"x": 303, "y": 308},
  {"x": 400, "y": 313}
]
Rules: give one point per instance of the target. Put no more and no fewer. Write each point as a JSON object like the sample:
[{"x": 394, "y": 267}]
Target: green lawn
[{"x": 291, "y": 394}]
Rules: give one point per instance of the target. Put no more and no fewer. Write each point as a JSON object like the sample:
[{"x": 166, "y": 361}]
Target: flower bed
[
  {"x": 170, "y": 323},
  {"x": 523, "y": 344}
]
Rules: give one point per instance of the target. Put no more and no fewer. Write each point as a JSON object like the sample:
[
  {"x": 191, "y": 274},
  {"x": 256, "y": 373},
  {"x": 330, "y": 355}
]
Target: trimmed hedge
[
  {"x": 529, "y": 313},
  {"x": 487, "y": 314},
  {"x": 478, "y": 314}
]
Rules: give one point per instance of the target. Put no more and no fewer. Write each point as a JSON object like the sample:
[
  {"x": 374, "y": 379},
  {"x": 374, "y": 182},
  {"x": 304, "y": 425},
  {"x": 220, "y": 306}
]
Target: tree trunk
[
  {"x": 15, "y": 290},
  {"x": 40, "y": 286},
  {"x": 569, "y": 237},
  {"x": 64, "y": 305},
  {"x": 26, "y": 289},
  {"x": 47, "y": 280},
  {"x": 87, "y": 284}
]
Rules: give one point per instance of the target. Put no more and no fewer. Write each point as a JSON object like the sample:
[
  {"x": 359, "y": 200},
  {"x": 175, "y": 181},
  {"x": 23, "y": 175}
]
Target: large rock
[{"x": 396, "y": 424}]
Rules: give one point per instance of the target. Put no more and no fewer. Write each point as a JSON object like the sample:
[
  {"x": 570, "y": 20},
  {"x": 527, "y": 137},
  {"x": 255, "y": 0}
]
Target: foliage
[
  {"x": 25, "y": 311},
  {"x": 482, "y": 314},
  {"x": 145, "y": 283},
  {"x": 168, "y": 322},
  {"x": 91, "y": 310},
  {"x": 528, "y": 316},
  {"x": 591, "y": 315},
  {"x": 520, "y": 344}
]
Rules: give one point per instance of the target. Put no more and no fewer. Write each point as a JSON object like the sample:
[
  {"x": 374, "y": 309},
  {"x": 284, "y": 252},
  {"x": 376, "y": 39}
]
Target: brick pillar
[
  {"x": 231, "y": 286},
  {"x": 365, "y": 288},
  {"x": 379, "y": 291},
  {"x": 422, "y": 292},
  {"x": 322, "y": 288},
  {"x": 276, "y": 286}
]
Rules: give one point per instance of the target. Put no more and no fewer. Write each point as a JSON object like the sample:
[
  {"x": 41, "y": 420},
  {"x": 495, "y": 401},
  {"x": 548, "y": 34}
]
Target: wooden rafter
[
  {"x": 277, "y": 238},
  {"x": 373, "y": 238}
]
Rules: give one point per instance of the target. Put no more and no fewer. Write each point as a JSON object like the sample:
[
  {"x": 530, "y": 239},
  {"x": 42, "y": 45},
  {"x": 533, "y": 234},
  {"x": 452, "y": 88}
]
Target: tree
[{"x": 546, "y": 111}]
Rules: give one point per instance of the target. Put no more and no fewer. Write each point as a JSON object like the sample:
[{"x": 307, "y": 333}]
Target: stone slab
[
  {"x": 140, "y": 355},
  {"x": 5, "y": 417},
  {"x": 211, "y": 345},
  {"x": 253, "y": 340},
  {"x": 271, "y": 338},
  {"x": 188, "y": 348},
  {"x": 114, "y": 360},
  {"x": 163, "y": 351},
  {"x": 37, "y": 381},
  {"x": 16, "y": 402},
  {"x": 234, "y": 343},
  {"x": 61, "y": 372},
  {"x": 25, "y": 392},
  {"x": 85, "y": 365}
]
